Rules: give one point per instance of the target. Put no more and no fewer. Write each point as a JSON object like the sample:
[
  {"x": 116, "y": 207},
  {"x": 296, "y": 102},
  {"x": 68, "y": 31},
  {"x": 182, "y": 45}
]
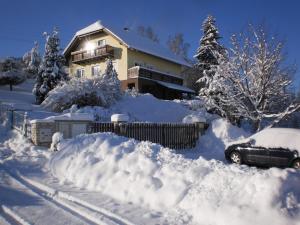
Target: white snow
[
  {"x": 141, "y": 181},
  {"x": 57, "y": 137},
  {"x": 67, "y": 116},
  {"x": 175, "y": 86},
  {"x": 143, "y": 107},
  {"x": 206, "y": 191},
  {"x": 192, "y": 118},
  {"x": 119, "y": 118},
  {"x": 275, "y": 138}
]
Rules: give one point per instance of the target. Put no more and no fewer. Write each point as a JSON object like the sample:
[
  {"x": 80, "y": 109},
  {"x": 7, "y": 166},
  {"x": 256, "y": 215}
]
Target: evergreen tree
[
  {"x": 32, "y": 60},
  {"x": 113, "y": 84},
  {"x": 11, "y": 73},
  {"x": 209, "y": 54},
  {"x": 51, "y": 70}
]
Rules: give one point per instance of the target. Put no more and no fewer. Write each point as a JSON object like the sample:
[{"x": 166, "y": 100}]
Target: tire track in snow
[
  {"x": 12, "y": 217},
  {"x": 94, "y": 214}
]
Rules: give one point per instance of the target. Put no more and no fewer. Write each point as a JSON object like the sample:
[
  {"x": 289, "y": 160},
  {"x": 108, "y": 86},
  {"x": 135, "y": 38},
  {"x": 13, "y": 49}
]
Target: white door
[{"x": 78, "y": 129}]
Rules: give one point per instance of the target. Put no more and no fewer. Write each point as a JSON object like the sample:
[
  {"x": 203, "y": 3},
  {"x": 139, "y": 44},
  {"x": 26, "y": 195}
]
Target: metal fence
[
  {"x": 15, "y": 119},
  {"x": 172, "y": 135},
  {"x": 19, "y": 121}
]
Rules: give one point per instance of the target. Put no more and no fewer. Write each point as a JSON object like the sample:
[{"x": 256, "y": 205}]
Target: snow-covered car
[{"x": 279, "y": 147}]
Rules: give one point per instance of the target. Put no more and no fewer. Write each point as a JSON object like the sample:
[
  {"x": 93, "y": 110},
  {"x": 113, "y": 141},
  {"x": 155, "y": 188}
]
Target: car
[{"x": 271, "y": 147}]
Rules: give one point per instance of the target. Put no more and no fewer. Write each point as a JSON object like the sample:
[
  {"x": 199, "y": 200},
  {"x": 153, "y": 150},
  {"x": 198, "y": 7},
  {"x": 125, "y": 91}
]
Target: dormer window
[{"x": 101, "y": 43}]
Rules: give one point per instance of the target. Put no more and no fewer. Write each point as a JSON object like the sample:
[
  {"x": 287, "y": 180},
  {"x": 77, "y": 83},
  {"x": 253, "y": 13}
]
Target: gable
[{"x": 131, "y": 40}]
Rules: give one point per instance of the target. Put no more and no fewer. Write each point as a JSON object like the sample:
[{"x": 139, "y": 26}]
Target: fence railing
[{"x": 172, "y": 135}]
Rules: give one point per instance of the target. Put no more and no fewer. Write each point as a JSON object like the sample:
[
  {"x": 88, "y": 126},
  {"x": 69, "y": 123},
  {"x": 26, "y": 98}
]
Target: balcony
[
  {"x": 142, "y": 72},
  {"x": 84, "y": 56}
]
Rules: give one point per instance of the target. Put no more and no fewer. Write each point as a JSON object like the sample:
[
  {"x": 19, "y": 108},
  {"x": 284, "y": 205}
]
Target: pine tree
[
  {"x": 110, "y": 78},
  {"x": 51, "y": 70},
  {"x": 32, "y": 60},
  {"x": 209, "y": 54}
]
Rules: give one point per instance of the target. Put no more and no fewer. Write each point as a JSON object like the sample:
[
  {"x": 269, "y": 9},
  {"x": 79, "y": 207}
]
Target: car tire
[
  {"x": 296, "y": 164},
  {"x": 235, "y": 157}
]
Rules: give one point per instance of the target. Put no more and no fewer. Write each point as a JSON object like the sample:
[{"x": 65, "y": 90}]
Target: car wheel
[
  {"x": 236, "y": 157},
  {"x": 296, "y": 164}
]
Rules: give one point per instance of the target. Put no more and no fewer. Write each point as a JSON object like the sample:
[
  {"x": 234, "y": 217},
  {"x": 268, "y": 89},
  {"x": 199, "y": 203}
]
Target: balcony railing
[
  {"x": 142, "y": 72},
  {"x": 88, "y": 55}
]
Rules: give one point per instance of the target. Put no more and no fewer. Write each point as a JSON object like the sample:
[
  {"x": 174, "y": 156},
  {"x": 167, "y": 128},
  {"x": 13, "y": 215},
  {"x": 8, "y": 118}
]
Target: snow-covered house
[{"x": 140, "y": 63}]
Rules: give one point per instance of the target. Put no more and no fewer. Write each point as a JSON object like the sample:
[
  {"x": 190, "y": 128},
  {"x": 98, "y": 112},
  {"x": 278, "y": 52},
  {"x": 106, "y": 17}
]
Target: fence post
[
  {"x": 11, "y": 118},
  {"x": 25, "y": 124}
]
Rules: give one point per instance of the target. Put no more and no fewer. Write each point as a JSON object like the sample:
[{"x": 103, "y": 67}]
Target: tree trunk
[
  {"x": 10, "y": 87},
  {"x": 256, "y": 125}
]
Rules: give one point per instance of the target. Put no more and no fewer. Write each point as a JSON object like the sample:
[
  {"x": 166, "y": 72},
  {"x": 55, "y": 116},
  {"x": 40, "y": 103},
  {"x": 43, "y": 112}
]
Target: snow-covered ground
[{"x": 106, "y": 179}]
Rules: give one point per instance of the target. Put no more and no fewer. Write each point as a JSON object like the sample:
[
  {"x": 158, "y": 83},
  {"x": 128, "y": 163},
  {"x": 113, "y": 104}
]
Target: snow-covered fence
[
  {"x": 19, "y": 122},
  {"x": 172, "y": 135}
]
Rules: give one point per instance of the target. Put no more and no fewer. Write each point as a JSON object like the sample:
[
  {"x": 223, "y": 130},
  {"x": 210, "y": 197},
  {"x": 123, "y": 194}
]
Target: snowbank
[
  {"x": 217, "y": 137},
  {"x": 208, "y": 191}
]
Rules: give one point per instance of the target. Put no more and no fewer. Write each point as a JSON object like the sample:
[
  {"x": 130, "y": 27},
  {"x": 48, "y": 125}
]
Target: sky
[{"x": 23, "y": 21}]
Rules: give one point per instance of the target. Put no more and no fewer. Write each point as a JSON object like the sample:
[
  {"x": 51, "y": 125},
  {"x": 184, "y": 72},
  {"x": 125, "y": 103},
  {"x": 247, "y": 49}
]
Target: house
[{"x": 140, "y": 63}]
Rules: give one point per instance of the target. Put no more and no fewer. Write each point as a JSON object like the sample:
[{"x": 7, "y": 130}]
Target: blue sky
[{"x": 23, "y": 21}]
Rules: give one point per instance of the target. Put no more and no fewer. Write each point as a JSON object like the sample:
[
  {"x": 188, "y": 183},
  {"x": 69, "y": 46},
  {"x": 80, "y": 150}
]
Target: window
[
  {"x": 101, "y": 42},
  {"x": 80, "y": 73},
  {"x": 96, "y": 70},
  {"x": 131, "y": 86}
]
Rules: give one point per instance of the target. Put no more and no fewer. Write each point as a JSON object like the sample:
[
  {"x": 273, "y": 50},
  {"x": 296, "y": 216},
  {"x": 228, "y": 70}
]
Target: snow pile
[
  {"x": 192, "y": 118},
  {"x": 217, "y": 137},
  {"x": 209, "y": 192},
  {"x": 144, "y": 107}
]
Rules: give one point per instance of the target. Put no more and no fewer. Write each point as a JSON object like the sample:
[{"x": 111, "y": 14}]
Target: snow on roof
[
  {"x": 91, "y": 28},
  {"x": 158, "y": 71},
  {"x": 67, "y": 116},
  {"x": 276, "y": 138},
  {"x": 133, "y": 40},
  {"x": 175, "y": 86}
]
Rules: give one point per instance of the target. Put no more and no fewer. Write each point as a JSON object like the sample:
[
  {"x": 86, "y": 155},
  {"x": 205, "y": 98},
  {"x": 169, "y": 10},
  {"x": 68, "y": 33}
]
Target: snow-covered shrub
[
  {"x": 132, "y": 92},
  {"x": 97, "y": 91},
  {"x": 56, "y": 139},
  {"x": 82, "y": 92}
]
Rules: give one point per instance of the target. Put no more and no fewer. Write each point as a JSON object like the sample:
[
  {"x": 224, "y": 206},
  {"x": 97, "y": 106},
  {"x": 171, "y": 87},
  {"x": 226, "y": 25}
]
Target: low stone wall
[{"x": 42, "y": 132}]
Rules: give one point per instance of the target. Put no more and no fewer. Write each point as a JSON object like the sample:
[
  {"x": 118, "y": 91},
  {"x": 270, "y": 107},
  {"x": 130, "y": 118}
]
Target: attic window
[{"x": 101, "y": 42}]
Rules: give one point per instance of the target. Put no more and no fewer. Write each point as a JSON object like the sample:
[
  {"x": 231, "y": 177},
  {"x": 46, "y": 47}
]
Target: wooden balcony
[
  {"x": 84, "y": 56},
  {"x": 142, "y": 72}
]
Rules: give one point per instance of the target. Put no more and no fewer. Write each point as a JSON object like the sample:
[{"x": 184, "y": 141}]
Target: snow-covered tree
[
  {"x": 11, "y": 73},
  {"x": 51, "y": 70},
  {"x": 101, "y": 90},
  {"x": 209, "y": 54},
  {"x": 253, "y": 83},
  {"x": 112, "y": 89},
  {"x": 32, "y": 60}
]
